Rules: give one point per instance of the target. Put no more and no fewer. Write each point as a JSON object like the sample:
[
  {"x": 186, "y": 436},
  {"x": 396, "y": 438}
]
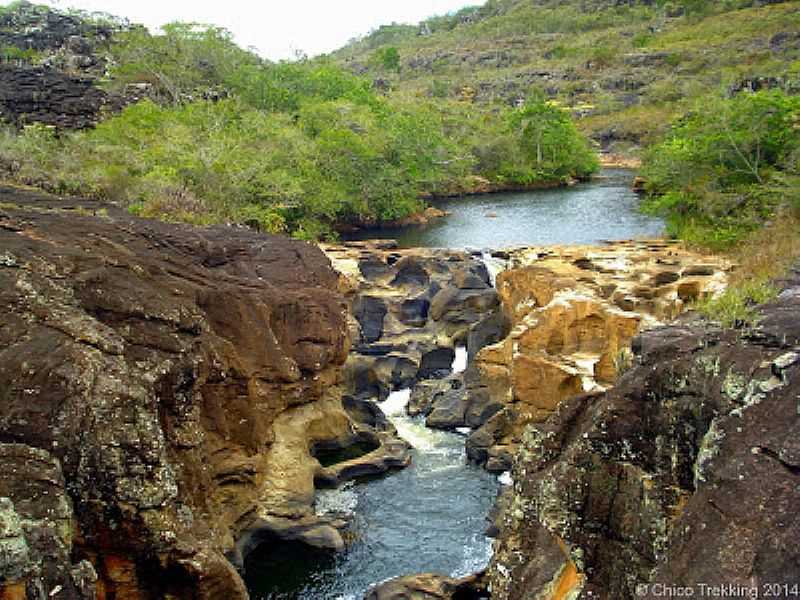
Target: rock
[
  {"x": 370, "y": 312},
  {"x": 414, "y": 312},
  {"x": 571, "y": 314},
  {"x": 436, "y": 363},
  {"x": 163, "y": 385},
  {"x": 449, "y": 410},
  {"x": 684, "y": 473},
  {"x": 435, "y": 300},
  {"x": 425, "y": 393},
  {"x": 410, "y": 271},
  {"x": 390, "y": 453},
  {"x": 429, "y": 587},
  {"x": 36, "y": 527},
  {"x": 38, "y": 95}
]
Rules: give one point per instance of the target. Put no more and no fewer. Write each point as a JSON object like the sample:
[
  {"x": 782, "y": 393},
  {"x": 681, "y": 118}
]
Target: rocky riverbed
[{"x": 174, "y": 398}]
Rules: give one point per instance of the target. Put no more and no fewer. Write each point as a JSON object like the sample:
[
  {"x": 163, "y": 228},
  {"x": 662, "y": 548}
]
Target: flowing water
[
  {"x": 431, "y": 516},
  {"x": 602, "y": 209}
]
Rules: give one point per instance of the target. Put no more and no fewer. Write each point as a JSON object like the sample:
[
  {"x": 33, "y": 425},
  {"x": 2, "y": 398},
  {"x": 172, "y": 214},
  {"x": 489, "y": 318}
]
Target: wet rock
[
  {"x": 436, "y": 363},
  {"x": 449, "y": 410}
]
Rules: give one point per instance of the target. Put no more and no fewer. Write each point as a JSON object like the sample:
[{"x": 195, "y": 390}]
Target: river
[
  {"x": 604, "y": 208},
  {"x": 431, "y": 517}
]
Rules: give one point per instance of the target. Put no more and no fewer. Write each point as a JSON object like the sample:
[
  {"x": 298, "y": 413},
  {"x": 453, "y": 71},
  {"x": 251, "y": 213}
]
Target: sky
[{"x": 276, "y": 29}]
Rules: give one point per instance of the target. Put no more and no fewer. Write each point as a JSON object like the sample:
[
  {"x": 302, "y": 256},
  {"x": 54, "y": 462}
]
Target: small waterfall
[
  {"x": 414, "y": 431},
  {"x": 460, "y": 360},
  {"x": 493, "y": 265}
]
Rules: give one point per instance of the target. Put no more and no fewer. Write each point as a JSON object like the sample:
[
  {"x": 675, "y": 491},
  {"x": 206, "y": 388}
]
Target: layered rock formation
[
  {"x": 60, "y": 89},
  {"x": 685, "y": 474},
  {"x": 573, "y": 314},
  {"x": 40, "y": 95},
  {"x": 162, "y": 389}
]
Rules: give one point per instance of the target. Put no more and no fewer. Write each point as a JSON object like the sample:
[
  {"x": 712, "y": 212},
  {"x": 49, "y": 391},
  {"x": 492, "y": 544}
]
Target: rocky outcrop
[
  {"x": 411, "y": 309},
  {"x": 48, "y": 96},
  {"x": 162, "y": 390},
  {"x": 573, "y": 314},
  {"x": 36, "y": 27},
  {"x": 685, "y": 474},
  {"x": 430, "y": 587}
]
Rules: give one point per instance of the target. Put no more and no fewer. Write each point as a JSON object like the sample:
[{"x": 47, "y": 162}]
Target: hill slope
[{"x": 625, "y": 68}]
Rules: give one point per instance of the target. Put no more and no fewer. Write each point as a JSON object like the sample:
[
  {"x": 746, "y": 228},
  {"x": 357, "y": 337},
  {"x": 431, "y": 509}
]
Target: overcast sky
[{"x": 276, "y": 28}]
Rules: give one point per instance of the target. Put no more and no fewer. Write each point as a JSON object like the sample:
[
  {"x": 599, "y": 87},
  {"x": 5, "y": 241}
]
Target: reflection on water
[{"x": 602, "y": 209}]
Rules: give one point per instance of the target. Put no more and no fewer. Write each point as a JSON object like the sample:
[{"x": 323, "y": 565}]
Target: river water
[
  {"x": 431, "y": 516},
  {"x": 602, "y": 209}
]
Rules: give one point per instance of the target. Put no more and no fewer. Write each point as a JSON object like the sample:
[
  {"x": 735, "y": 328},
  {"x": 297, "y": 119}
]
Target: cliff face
[
  {"x": 160, "y": 390},
  {"x": 685, "y": 473},
  {"x": 60, "y": 90}
]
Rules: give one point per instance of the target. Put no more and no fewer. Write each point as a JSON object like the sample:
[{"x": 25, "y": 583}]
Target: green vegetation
[
  {"x": 728, "y": 178},
  {"x": 624, "y": 69},
  {"x": 727, "y": 167},
  {"x": 302, "y": 148}
]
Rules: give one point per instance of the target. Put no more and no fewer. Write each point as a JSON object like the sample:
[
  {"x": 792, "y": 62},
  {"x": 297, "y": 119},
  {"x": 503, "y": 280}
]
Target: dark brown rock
[
  {"x": 684, "y": 474},
  {"x": 155, "y": 381}
]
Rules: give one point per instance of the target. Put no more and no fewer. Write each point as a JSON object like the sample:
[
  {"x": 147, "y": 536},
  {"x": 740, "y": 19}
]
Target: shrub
[{"x": 724, "y": 169}]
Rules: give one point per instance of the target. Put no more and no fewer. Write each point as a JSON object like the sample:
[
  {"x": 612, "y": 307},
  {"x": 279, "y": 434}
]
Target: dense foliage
[
  {"x": 728, "y": 167},
  {"x": 298, "y": 147}
]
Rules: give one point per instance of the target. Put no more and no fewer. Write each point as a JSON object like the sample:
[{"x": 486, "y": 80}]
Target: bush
[
  {"x": 725, "y": 169},
  {"x": 299, "y": 148}
]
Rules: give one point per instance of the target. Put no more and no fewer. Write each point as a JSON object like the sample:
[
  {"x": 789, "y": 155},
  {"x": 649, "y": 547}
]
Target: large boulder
[
  {"x": 571, "y": 315},
  {"x": 162, "y": 386}
]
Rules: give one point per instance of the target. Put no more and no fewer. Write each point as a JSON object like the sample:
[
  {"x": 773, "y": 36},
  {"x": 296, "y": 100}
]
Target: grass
[{"x": 763, "y": 257}]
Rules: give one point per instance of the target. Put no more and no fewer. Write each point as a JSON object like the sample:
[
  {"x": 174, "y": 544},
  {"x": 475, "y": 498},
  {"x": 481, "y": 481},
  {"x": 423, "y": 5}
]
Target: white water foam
[
  {"x": 493, "y": 265},
  {"x": 395, "y": 404},
  {"x": 505, "y": 478},
  {"x": 340, "y": 500},
  {"x": 413, "y": 430},
  {"x": 476, "y": 556},
  {"x": 460, "y": 360}
]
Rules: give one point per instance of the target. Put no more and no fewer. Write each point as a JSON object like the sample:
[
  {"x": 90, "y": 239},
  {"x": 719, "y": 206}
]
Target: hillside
[
  {"x": 185, "y": 125},
  {"x": 624, "y": 68}
]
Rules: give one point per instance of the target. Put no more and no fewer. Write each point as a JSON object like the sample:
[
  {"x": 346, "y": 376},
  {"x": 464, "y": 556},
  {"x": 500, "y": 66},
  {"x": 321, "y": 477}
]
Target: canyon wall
[
  {"x": 686, "y": 473},
  {"x": 161, "y": 390},
  {"x": 573, "y": 312}
]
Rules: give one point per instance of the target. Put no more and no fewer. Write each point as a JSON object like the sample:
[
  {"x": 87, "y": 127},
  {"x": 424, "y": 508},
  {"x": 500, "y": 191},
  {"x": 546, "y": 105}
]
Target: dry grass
[
  {"x": 769, "y": 252},
  {"x": 762, "y": 258}
]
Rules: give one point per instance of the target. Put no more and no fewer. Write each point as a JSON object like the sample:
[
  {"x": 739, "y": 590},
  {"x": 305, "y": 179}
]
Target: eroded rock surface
[
  {"x": 685, "y": 473},
  {"x": 412, "y": 309},
  {"x": 429, "y": 587},
  {"x": 573, "y": 314},
  {"x": 161, "y": 389}
]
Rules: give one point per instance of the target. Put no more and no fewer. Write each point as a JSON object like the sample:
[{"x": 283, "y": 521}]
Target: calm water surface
[{"x": 602, "y": 209}]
